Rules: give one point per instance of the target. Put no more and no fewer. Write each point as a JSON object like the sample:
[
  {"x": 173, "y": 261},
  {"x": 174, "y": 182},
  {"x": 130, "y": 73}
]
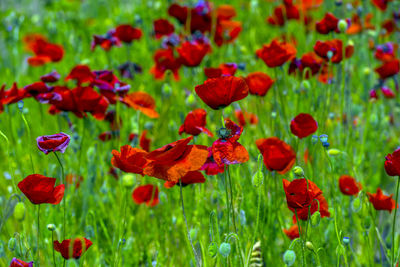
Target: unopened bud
[
  {"x": 315, "y": 219},
  {"x": 225, "y": 249},
  {"x": 334, "y": 152},
  {"x": 310, "y": 246},
  {"x": 289, "y": 257},
  {"x": 128, "y": 180},
  {"x": 51, "y": 227},
  {"x": 11, "y": 244},
  {"x": 298, "y": 172},
  {"x": 342, "y": 25},
  {"x": 19, "y": 211},
  {"x": 213, "y": 249}
]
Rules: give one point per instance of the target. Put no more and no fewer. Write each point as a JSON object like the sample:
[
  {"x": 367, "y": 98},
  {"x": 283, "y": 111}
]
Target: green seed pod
[
  {"x": 289, "y": 257},
  {"x": 128, "y": 180},
  {"x": 342, "y": 25},
  {"x": 225, "y": 249},
  {"x": 166, "y": 89},
  {"x": 213, "y": 249},
  {"x": 346, "y": 240},
  {"x": 11, "y": 244},
  {"x": 367, "y": 223},
  {"x": 298, "y": 172},
  {"x": 19, "y": 211},
  {"x": 310, "y": 246},
  {"x": 305, "y": 84},
  {"x": 315, "y": 219},
  {"x": 334, "y": 152},
  {"x": 329, "y": 54},
  {"x": 356, "y": 204},
  {"x": 51, "y": 227},
  {"x": 258, "y": 178},
  {"x": 191, "y": 99}
]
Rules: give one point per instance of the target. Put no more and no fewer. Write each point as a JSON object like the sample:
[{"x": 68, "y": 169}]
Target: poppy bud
[
  {"x": 89, "y": 231},
  {"x": 367, "y": 223},
  {"x": 366, "y": 71},
  {"x": 338, "y": 2},
  {"x": 20, "y": 105},
  {"x": 329, "y": 54},
  {"x": 258, "y": 178},
  {"x": 225, "y": 249},
  {"x": 310, "y": 246},
  {"x": 334, "y": 152},
  {"x": 166, "y": 89},
  {"x": 342, "y": 25},
  {"x": 190, "y": 100},
  {"x": 128, "y": 180},
  {"x": 193, "y": 234},
  {"x": 305, "y": 84},
  {"x": 298, "y": 172},
  {"x": 19, "y": 211},
  {"x": 356, "y": 205},
  {"x": 314, "y": 139},
  {"x": 325, "y": 144},
  {"x": 11, "y": 244},
  {"x": 289, "y": 257},
  {"x": 51, "y": 227},
  {"x": 213, "y": 249},
  {"x": 346, "y": 240},
  {"x": 315, "y": 219},
  {"x": 323, "y": 138}
]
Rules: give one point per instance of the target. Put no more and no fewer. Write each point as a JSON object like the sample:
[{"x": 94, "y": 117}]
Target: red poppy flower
[
  {"x": 212, "y": 72},
  {"x": 259, "y": 83},
  {"x": 349, "y": 186},
  {"x": 144, "y": 142},
  {"x": 210, "y": 166},
  {"x": 79, "y": 101},
  {"x": 392, "y": 163},
  {"x": 303, "y": 125},
  {"x": 12, "y": 95},
  {"x": 388, "y": 69},
  {"x": 221, "y": 92},
  {"x": 245, "y": 117},
  {"x": 192, "y": 53},
  {"x": 195, "y": 123},
  {"x": 43, "y": 50},
  {"x": 227, "y": 31},
  {"x": 73, "y": 179},
  {"x": 126, "y": 33},
  {"x": 40, "y": 189},
  {"x": 387, "y": 92},
  {"x": 292, "y": 232},
  {"x": 162, "y": 27},
  {"x": 37, "y": 88},
  {"x": 105, "y": 136},
  {"x": 386, "y": 52},
  {"x": 164, "y": 60},
  {"x": 277, "y": 155},
  {"x": 19, "y": 263},
  {"x": 194, "y": 177},
  {"x": 173, "y": 161},
  {"x": 228, "y": 69},
  {"x": 226, "y": 149},
  {"x": 53, "y": 143},
  {"x": 200, "y": 16},
  {"x": 328, "y": 24},
  {"x": 389, "y": 26},
  {"x": 129, "y": 159},
  {"x": 381, "y": 4},
  {"x": 284, "y": 12},
  {"x": 72, "y": 248},
  {"x": 309, "y": 63},
  {"x": 303, "y": 195},
  {"x": 105, "y": 42},
  {"x": 276, "y": 54},
  {"x": 146, "y": 194},
  {"x": 381, "y": 201},
  {"x": 51, "y": 77},
  {"x": 334, "y": 46},
  {"x": 143, "y": 102},
  {"x": 81, "y": 74}
]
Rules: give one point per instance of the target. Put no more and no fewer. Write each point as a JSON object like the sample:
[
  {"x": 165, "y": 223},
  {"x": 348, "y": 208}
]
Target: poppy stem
[
  {"x": 301, "y": 237},
  {"x": 38, "y": 235},
  {"x": 231, "y": 204},
  {"x": 187, "y": 228},
  {"x": 227, "y": 202},
  {"x": 52, "y": 242},
  {"x": 65, "y": 194},
  {"x": 30, "y": 138},
  {"x": 394, "y": 221}
]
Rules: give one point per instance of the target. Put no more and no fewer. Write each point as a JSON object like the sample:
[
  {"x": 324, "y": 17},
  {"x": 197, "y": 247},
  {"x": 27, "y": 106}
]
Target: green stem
[
  {"x": 233, "y": 210},
  {"x": 38, "y": 235},
  {"x": 302, "y": 241},
  {"x": 65, "y": 194},
  {"x": 29, "y": 141},
  {"x": 394, "y": 222},
  {"x": 52, "y": 242}
]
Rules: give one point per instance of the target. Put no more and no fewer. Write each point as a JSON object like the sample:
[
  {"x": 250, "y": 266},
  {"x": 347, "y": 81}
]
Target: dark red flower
[
  {"x": 210, "y": 166},
  {"x": 72, "y": 248},
  {"x": 37, "y": 88},
  {"x": 200, "y": 16},
  {"x": 387, "y": 92},
  {"x": 292, "y": 232},
  {"x": 284, "y": 12},
  {"x": 221, "y": 92},
  {"x": 81, "y": 74},
  {"x": 213, "y": 72},
  {"x": 50, "y": 77},
  {"x": 53, "y": 143},
  {"x": 129, "y": 159},
  {"x": 334, "y": 46},
  {"x": 126, "y": 33},
  {"x": 276, "y": 54},
  {"x": 303, "y": 196},
  {"x": 162, "y": 27},
  {"x": 245, "y": 117},
  {"x": 192, "y": 53},
  {"x": 105, "y": 136},
  {"x": 164, "y": 60},
  {"x": 328, "y": 24},
  {"x": 143, "y": 102},
  {"x": 303, "y": 125},
  {"x": 144, "y": 142},
  {"x": 105, "y": 42},
  {"x": 173, "y": 161},
  {"x": 12, "y": 95},
  {"x": 386, "y": 52},
  {"x": 388, "y": 69},
  {"x": 381, "y": 201},
  {"x": 392, "y": 163},
  {"x": 194, "y": 177},
  {"x": 40, "y": 189},
  {"x": 146, "y": 194},
  {"x": 309, "y": 63},
  {"x": 44, "y": 51},
  {"x": 195, "y": 123},
  {"x": 381, "y": 4},
  {"x": 227, "y": 31},
  {"x": 227, "y": 150},
  {"x": 349, "y": 186},
  {"x": 19, "y": 263},
  {"x": 277, "y": 155},
  {"x": 259, "y": 83},
  {"x": 73, "y": 179}
]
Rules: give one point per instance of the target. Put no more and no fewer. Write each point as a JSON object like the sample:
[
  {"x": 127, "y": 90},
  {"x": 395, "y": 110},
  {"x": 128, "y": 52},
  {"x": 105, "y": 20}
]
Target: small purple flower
[
  {"x": 19, "y": 263},
  {"x": 53, "y": 143}
]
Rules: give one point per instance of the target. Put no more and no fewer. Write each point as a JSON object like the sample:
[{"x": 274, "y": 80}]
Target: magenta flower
[{"x": 53, "y": 143}]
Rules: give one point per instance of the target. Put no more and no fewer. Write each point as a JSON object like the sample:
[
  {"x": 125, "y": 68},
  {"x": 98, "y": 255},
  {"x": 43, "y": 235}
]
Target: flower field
[{"x": 197, "y": 133}]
